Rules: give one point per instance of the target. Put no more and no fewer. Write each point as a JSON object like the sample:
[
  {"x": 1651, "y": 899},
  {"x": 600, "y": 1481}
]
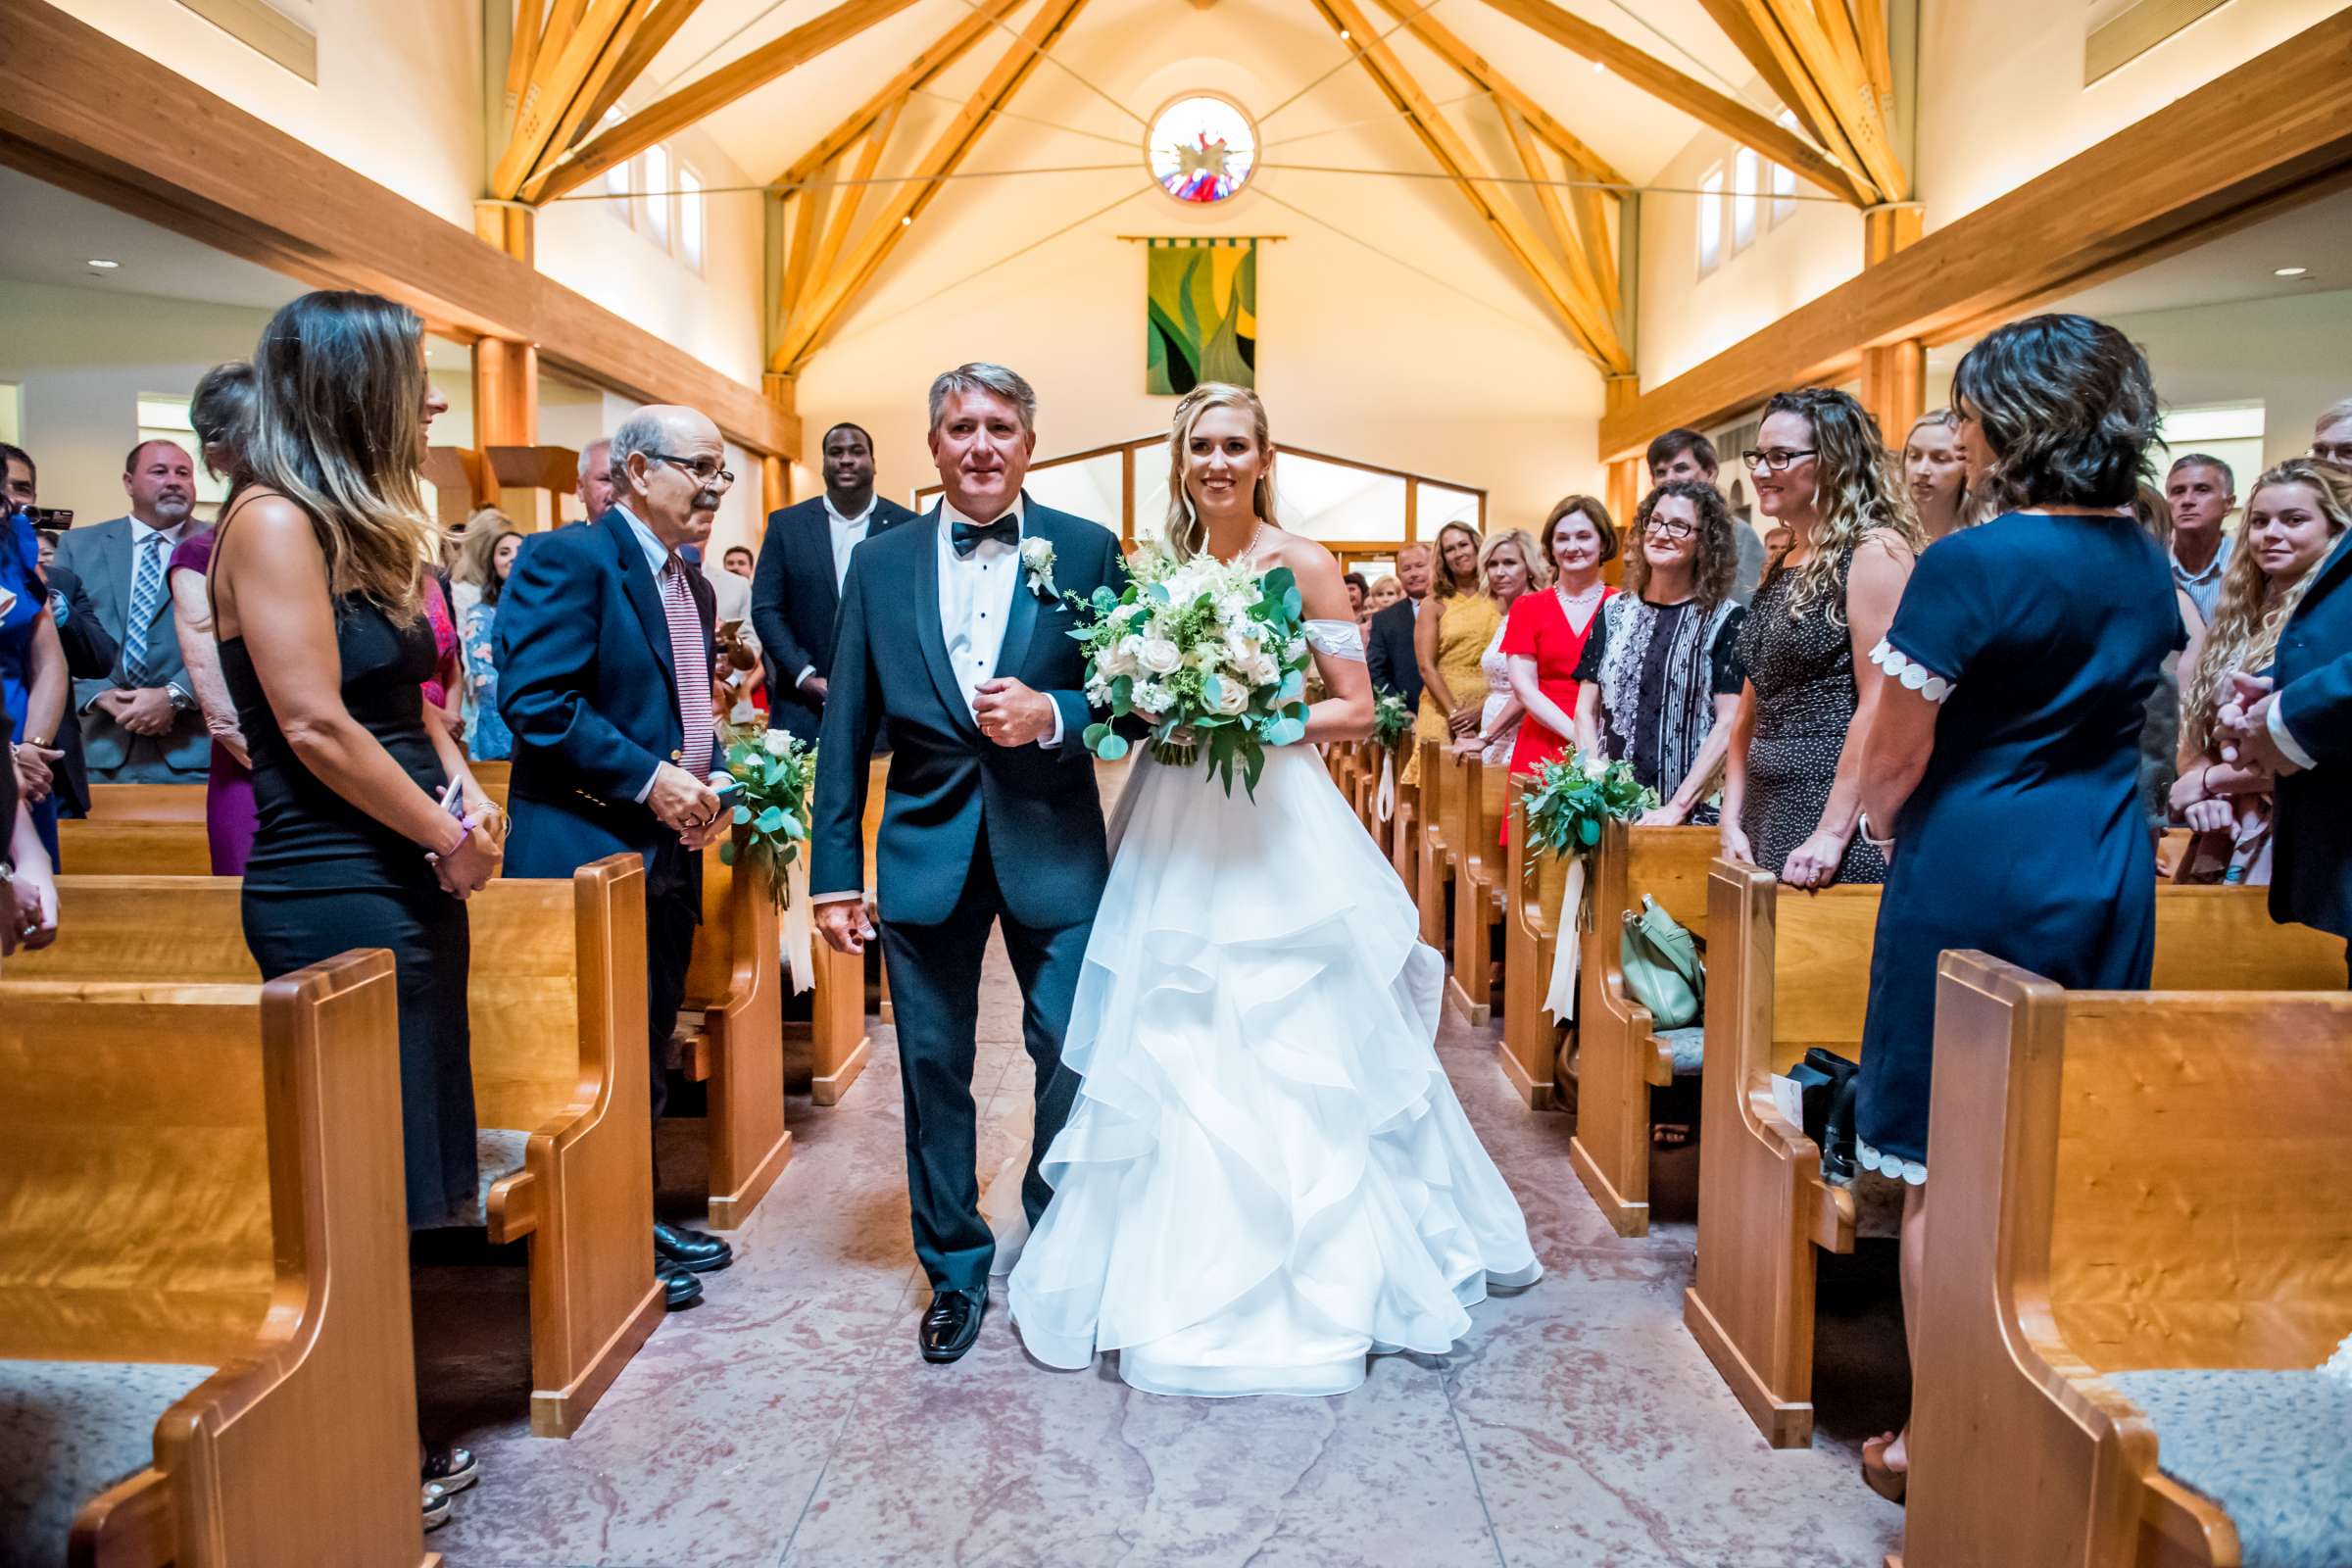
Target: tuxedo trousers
[{"x": 934, "y": 992}]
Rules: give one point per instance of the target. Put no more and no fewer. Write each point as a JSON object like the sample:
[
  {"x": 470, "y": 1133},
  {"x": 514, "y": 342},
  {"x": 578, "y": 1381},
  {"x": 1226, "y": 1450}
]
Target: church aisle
[{"x": 789, "y": 1422}]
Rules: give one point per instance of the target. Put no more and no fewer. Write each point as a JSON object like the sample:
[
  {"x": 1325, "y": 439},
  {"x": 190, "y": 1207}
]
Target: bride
[{"x": 1266, "y": 1177}]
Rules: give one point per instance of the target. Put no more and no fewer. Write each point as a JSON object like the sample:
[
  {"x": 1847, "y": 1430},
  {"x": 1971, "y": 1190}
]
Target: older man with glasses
[{"x": 604, "y": 650}]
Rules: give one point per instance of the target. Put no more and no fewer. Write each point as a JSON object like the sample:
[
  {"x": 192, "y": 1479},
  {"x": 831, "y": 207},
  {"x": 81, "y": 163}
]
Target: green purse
[{"x": 1661, "y": 965}]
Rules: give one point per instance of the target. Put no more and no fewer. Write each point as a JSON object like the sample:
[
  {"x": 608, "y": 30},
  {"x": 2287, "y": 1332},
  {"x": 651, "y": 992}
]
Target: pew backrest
[
  {"x": 147, "y": 803},
  {"x": 106, "y": 846}
]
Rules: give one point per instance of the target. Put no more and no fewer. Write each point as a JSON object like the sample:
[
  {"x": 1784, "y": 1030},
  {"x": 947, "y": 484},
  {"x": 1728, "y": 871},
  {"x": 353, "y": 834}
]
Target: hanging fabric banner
[{"x": 1199, "y": 313}]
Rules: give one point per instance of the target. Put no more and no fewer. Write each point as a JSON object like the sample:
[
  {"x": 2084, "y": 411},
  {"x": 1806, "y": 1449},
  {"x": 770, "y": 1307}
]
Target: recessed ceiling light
[
  {"x": 1343, "y": 36},
  {"x": 1600, "y": 68},
  {"x": 906, "y": 221},
  {"x": 2291, "y": 271},
  {"x": 103, "y": 265}
]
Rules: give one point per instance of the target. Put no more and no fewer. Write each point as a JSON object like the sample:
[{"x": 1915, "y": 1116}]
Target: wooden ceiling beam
[
  {"x": 917, "y": 73},
  {"x": 1583, "y": 316},
  {"x": 1573, "y": 249},
  {"x": 522, "y": 49},
  {"x": 559, "y": 81},
  {"x": 1786, "y": 41},
  {"x": 1474, "y": 66},
  {"x": 806, "y": 331},
  {"x": 808, "y": 232},
  {"x": 1877, "y": 59},
  {"x": 1701, "y": 102},
  {"x": 869, "y": 157},
  {"x": 652, "y": 38},
  {"x": 707, "y": 94},
  {"x": 1593, "y": 208}
]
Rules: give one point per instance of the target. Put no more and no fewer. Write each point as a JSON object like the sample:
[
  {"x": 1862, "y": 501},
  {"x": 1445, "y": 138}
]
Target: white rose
[
  {"x": 1262, "y": 670},
  {"x": 1595, "y": 765},
  {"x": 1232, "y": 697},
  {"x": 777, "y": 742},
  {"x": 1118, "y": 658},
  {"x": 1158, "y": 655},
  {"x": 1152, "y": 698}
]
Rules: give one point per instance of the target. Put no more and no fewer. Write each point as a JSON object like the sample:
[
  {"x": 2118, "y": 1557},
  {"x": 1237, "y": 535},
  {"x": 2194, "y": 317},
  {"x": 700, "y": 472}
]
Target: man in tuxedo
[
  {"x": 991, "y": 815},
  {"x": 796, "y": 589},
  {"x": 604, "y": 659},
  {"x": 1390, "y": 653},
  {"x": 139, "y": 721}
]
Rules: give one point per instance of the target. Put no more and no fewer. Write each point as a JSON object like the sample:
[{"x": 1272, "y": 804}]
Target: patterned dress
[{"x": 1803, "y": 673}]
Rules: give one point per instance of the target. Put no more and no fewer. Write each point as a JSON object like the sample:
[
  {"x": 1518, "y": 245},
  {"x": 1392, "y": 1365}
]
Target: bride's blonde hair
[{"x": 1187, "y": 532}]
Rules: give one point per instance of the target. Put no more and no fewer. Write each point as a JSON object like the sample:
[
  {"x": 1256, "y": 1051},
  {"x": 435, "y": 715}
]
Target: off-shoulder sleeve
[{"x": 1341, "y": 639}]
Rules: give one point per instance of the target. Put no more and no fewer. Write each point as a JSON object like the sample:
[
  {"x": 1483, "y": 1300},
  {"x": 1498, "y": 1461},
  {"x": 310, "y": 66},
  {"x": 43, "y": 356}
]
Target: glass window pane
[
  {"x": 1437, "y": 505},
  {"x": 1784, "y": 180},
  {"x": 1087, "y": 487},
  {"x": 1152, "y": 491},
  {"x": 1710, "y": 221},
  {"x": 657, "y": 194},
  {"x": 617, "y": 178},
  {"x": 689, "y": 218},
  {"x": 1745, "y": 180},
  {"x": 1333, "y": 501}
]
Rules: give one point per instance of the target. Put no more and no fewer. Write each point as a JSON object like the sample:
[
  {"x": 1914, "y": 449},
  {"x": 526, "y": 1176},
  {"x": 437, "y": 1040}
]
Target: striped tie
[
  {"x": 692, "y": 665},
  {"x": 146, "y": 592}
]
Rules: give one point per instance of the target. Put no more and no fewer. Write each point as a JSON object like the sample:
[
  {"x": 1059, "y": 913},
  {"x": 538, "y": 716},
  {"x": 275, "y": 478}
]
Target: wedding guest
[
  {"x": 27, "y": 882},
  {"x": 1689, "y": 456},
  {"x": 222, "y": 412},
  {"x": 1395, "y": 666},
  {"x": 1658, "y": 684},
  {"x": 1384, "y": 593},
  {"x": 2331, "y": 435},
  {"x": 1791, "y": 791},
  {"x": 1936, "y": 472},
  {"x": 1546, "y": 637},
  {"x": 2202, "y": 493},
  {"x": 1358, "y": 588},
  {"x": 488, "y": 560},
  {"x": 595, "y": 488},
  {"x": 2160, "y": 734},
  {"x": 1510, "y": 565},
  {"x": 90, "y": 653},
  {"x": 469, "y": 565},
  {"x": 34, "y": 682},
  {"x": 1457, "y": 621},
  {"x": 738, "y": 562},
  {"x": 1998, "y": 763},
  {"x": 2294, "y": 517},
  {"x": 318, "y": 582}
]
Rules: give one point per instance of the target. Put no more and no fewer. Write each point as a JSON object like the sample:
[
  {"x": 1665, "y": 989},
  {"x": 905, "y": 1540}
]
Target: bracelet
[
  {"x": 2205, "y": 781},
  {"x": 1862, "y": 824},
  {"x": 459, "y": 843}
]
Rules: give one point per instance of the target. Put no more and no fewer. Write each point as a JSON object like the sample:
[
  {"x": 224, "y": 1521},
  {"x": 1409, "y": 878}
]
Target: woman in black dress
[
  {"x": 2002, "y": 769},
  {"x": 318, "y": 583},
  {"x": 1790, "y": 792}
]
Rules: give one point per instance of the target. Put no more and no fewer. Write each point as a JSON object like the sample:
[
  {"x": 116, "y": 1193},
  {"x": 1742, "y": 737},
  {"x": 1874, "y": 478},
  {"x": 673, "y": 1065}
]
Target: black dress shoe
[
  {"x": 952, "y": 1325},
  {"x": 690, "y": 1250},
  {"x": 679, "y": 1287}
]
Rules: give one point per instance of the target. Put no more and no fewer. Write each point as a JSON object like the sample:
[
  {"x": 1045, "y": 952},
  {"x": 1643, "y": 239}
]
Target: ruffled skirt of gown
[{"x": 1266, "y": 1176}]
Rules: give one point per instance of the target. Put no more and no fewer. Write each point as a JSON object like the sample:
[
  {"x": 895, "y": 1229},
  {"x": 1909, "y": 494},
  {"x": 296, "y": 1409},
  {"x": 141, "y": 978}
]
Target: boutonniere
[{"x": 1037, "y": 555}]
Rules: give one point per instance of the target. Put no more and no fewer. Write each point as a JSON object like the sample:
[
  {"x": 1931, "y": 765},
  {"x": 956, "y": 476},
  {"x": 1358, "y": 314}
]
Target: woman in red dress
[{"x": 1545, "y": 637}]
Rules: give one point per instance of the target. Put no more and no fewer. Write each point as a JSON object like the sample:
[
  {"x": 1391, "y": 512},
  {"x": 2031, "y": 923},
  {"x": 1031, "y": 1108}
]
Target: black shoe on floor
[
  {"x": 690, "y": 1250},
  {"x": 951, "y": 1324},
  {"x": 679, "y": 1287},
  {"x": 454, "y": 1467}
]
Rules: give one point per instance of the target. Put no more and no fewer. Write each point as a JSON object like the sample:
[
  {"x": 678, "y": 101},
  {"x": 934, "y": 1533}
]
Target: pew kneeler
[{"x": 205, "y": 1344}]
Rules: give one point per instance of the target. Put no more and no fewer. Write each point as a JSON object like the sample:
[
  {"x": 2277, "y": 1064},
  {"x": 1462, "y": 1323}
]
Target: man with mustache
[{"x": 139, "y": 722}]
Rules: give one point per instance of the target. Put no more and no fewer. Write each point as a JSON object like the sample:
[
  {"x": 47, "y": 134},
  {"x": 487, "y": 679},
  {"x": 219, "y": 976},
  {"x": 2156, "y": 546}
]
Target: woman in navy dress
[
  {"x": 33, "y": 683},
  {"x": 2001, "y": 773}
]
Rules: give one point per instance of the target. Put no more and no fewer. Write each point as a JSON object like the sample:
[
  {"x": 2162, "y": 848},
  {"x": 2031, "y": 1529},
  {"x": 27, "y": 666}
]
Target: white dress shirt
[
  {"x": 975, "y": 601},
  {"x": 847, "y": 533}
]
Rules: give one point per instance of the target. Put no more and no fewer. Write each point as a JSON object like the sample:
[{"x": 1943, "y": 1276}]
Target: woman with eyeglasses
[
  {"x": 1792, "y": 795},
  {"x": 1659, "y": 681}
]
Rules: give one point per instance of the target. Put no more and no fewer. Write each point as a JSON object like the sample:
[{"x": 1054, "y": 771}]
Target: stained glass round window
[{"x": 1202, "y": 148}]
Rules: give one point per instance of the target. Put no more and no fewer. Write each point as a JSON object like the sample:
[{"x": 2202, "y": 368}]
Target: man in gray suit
[{"x": 139, "y": 722}]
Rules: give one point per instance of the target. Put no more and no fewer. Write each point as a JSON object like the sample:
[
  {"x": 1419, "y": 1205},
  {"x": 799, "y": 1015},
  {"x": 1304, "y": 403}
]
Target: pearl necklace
[
  {"x": 1249, "y": 548},
  {"x": 1570, "y": 604}
]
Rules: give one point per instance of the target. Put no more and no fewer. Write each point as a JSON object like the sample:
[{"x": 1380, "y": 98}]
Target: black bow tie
[{"x": 967, "y": 536}]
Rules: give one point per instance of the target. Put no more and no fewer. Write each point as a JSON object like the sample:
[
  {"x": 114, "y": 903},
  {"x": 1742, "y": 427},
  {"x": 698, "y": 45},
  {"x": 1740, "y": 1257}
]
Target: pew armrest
[
  {"x": 512, "y": 1211},
  {"x": 1833, "y": 1216},
  {"x": 128, "y": 1525}
]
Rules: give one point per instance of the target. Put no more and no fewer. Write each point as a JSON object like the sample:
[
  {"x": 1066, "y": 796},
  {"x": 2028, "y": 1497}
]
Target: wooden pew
[
  {"x": 1405, "y": 834},
  {"x": 1441, "y": 827},
  {"x": 1788, "y": 970},
  {"x": 1531, "y": 1037},
  {"x": 556, "y": 1003},
  {"x": 1620, "y": 1057},
  {"x": 2124, "y": 1182},
  {"x": 147, "y": 803},
  {"x": 1478, "y": 897},
  {"x": 734, "y": 979},
  {"x": 204, "y": 1272},
  {"x": 129, "y": 847}
]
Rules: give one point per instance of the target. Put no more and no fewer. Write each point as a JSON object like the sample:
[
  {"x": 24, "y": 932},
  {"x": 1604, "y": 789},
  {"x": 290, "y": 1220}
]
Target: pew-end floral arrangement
[
  {"x": 775, "y": 771},
  {"x": 1212, "y": 655},
  {"x": 1391, "y": 722},
  {"x": 1569, "y": 801}
]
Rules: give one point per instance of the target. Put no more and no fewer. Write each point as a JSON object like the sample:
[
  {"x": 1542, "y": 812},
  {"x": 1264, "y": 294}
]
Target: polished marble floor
[{"x": 789, "y": 1422}]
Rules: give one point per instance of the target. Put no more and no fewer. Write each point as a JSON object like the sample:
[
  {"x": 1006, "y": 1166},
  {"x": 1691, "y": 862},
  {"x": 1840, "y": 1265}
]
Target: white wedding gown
[{"x": 1266, "y": 1177}]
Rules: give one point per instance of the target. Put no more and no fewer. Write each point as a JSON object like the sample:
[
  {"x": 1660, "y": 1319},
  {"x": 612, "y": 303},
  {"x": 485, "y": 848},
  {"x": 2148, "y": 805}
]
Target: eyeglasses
[
  {"x": 2339, "y": 453},
  {"x": 706, "y": 471},
  {"x": 1669, "y": 528},
  {"x": 1777, "y": 460}
]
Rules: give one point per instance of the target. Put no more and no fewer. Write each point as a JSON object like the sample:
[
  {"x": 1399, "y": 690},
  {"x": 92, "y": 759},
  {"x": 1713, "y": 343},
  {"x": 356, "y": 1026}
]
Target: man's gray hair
[
  {"x": 643, "y": 431},
  {"x": 588, "y": 455},
  {"x": 993, "y": 379}
]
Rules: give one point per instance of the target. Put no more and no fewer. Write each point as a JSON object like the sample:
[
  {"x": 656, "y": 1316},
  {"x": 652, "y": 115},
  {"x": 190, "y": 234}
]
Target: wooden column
[
  {"x": 775, "y": 468},
  {"x": 508, "y": 227},
  {"x": 1626, "y": 479},
  {"x": 506, "y": 373},
  {"x": 775, "y": 489},
  {"x": 1895, "y": 376}
]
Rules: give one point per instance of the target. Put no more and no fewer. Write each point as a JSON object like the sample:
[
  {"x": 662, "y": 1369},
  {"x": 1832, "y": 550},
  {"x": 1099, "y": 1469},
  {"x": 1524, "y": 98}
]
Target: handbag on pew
[
  {"x": 1826, "y": 1083},
  {"x": 1661, "y": 964}
]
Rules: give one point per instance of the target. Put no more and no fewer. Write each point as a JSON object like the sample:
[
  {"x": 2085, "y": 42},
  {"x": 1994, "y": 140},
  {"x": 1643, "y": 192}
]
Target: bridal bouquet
[
  {"x": 1567, "y": 802},
  {"x": 1212, "y": 655}
]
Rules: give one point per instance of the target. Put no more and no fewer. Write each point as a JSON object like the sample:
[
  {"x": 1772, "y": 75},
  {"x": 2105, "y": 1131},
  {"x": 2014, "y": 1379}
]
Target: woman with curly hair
[
  {"x": 1457, "y": 620},
  {"x": 1790, "y": 794},
  {"x": 2000, "y": 767},
  {"x": 2297, "y": 513},
  {"x": 1659, "y": 682}
]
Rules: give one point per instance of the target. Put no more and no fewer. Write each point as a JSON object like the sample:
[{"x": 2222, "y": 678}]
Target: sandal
[
  {"x": 453, "y": 1469},
  {"x": 1669, "y": 1133},
  {"x": 1878, "y": 1476},
  {"x": 437, "y": 1506}
]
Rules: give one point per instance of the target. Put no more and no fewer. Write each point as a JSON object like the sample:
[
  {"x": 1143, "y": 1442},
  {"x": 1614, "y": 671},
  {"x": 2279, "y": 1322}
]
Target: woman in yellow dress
[{"x": 1458, "y": 622}]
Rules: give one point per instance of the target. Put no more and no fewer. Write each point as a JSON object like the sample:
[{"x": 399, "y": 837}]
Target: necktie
[
  {"x": 693, "y": 667},
  {"x": 146, "y": 592},
  {"x": 967, "y": 536}
]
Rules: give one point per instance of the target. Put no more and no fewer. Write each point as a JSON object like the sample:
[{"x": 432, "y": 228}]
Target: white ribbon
[
  {"x": 798, "y": 927},
  {"x": 1385, "y": 802},
  {"x": 1568, "y": 947}
]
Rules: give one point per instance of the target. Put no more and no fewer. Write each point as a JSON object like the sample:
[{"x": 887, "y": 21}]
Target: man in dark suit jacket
[
  {"x": 603, "y": 648},
  {"x": 90, "y": 654},
  {"x": 1394, "y": 668},
  {"x": 2299, "y": 722},
  {"x": 947, "y": 631},
  {"x": 796, "y": 590}
]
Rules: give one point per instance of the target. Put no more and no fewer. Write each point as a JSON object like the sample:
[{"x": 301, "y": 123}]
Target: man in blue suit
[
  {"x": 796, "y": 589},
  {"x": 603, "y": 650},
  {"x": 949, "y": 629},
  {"x": 2298, "y": 722}
]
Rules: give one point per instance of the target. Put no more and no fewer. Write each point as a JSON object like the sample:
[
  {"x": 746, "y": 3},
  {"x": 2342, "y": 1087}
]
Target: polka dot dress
[{"x": 1803, "y": 672}]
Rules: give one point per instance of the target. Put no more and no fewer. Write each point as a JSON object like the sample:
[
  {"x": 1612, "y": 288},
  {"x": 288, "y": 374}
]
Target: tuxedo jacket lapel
[
  {"x": 927, "y": 633},
  {"x": 1020, "y": 621}
]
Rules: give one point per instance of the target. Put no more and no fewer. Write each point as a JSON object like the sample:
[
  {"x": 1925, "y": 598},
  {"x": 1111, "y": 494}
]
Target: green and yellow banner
[{"x": 1199, "y": 313}]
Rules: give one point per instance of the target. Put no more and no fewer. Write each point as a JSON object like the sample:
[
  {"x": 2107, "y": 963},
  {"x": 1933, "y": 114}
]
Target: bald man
[{"x": 604, "y": 638}]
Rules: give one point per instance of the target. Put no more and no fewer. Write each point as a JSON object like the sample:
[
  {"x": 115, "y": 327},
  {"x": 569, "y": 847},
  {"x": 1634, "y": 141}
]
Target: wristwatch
[{"x": 182, "y": 700}]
